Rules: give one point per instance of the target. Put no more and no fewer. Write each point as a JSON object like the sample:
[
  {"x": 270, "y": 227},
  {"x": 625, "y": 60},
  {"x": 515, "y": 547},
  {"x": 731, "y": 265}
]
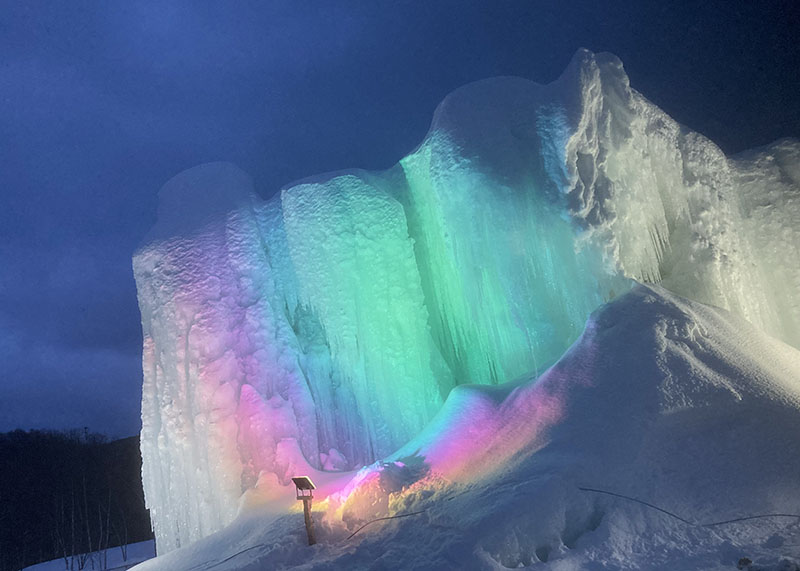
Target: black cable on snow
[
  {"x": 382, "y": 519},
  {"x": 639, "y": 501},
  {"x": 235, "y": 555},
  {"x": 404, "y": 515},
  {"x": 217, "y": 563},
  {"x": 679, "y": 518},
  {"x": 748, "y": 517}
]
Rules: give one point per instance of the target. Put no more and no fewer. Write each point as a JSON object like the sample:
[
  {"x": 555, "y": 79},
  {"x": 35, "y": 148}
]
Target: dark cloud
[
  {"x": 102, "y": 102},
  {"x": 65, "y": 387}
]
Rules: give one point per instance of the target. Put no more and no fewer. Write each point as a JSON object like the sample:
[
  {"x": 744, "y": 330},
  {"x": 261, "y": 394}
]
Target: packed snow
[
  {"x": 357, "y": 314},
  {"x": 111, "y": 559}
]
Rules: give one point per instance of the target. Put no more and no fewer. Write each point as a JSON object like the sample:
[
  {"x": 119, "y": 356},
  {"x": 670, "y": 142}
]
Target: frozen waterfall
[{"x": 328, "y": 324}]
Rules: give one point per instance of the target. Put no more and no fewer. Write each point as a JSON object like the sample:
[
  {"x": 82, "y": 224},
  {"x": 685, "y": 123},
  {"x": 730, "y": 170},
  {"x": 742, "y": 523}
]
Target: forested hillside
[{"x": 67, "y": 493}]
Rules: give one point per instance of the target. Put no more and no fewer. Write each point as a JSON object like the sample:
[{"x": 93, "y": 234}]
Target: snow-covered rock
[{"x": 325, "y": 328}]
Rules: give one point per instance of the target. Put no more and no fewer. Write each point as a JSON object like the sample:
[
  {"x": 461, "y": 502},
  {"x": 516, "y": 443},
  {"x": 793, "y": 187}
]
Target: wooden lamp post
[{"x": 304, "y": 492}]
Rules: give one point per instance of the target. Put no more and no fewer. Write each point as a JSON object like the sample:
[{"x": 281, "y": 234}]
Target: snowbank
[{"x": 111, "y": 559}]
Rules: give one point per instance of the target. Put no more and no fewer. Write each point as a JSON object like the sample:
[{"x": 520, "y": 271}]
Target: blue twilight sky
[{"x": 102, "y": 102}]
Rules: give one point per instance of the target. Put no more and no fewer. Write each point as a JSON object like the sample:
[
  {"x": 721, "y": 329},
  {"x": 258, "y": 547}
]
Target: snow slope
[
  {"x": 682, "y": 405},
  {"x": 110, "y": 559}
]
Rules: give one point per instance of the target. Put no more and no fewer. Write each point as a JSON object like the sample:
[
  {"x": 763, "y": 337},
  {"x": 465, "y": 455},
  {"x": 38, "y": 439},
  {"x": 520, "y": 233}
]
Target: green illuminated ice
[{"x": 429, "y": 278}]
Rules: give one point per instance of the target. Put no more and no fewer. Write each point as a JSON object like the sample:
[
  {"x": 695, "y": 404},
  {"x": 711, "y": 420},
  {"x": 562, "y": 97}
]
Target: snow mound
[
  {"x": 324, "y": 328},
  {"x": 671, "y": 402}
]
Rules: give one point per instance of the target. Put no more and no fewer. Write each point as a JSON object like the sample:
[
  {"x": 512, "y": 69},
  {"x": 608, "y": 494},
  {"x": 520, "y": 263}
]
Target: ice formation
[
  {"x": 329, "y": 323},
  {"x": 681, "y": 405}
]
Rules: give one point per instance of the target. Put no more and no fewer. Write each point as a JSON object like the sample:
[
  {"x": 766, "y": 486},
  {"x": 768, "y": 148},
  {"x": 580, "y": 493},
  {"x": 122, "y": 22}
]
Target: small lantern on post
[{"x": 304, "y": 492}]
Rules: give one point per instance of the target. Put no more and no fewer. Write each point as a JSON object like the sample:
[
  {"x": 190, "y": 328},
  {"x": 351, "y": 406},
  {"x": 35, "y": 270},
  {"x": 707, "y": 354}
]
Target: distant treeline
[{"x": 67, "y": 493}]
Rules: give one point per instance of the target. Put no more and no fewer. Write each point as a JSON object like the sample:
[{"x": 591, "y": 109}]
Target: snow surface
[
  {"x": 675, "y": 403},
  {"x": 110, "y": 559},
  {"x": 324, "y": 329}
]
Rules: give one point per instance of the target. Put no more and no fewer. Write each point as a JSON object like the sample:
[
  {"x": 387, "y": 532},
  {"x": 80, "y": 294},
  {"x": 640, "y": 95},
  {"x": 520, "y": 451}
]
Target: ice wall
[
  {"x": 667, "y": 205},
  {"x": 324, "y": 327}
]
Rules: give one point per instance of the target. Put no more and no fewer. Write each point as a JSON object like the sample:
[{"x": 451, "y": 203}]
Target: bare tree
[{"x": 120, "y": 530}]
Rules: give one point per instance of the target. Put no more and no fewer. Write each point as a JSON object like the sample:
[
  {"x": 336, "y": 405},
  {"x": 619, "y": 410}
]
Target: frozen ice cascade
[{"x": 323, "y": 328}]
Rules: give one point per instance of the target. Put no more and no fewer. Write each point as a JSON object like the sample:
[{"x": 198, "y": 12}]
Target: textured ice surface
[{"x": 324, "y": 328}]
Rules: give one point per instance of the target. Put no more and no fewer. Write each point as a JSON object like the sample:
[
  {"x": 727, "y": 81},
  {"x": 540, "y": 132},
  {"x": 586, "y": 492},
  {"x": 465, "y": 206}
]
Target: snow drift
[{"x": 324, "y": 329}]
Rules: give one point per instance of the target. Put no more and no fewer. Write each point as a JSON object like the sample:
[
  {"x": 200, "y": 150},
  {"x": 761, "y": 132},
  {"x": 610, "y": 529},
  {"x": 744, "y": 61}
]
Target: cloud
[{"x": 52, "y": 386}]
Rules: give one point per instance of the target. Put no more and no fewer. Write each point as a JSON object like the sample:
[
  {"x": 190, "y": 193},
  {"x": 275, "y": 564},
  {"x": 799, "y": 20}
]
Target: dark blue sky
[{"x": 103, "y": 101}]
